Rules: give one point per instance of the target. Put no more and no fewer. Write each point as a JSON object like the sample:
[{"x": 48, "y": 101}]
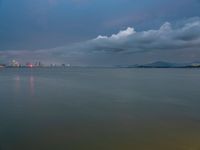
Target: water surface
[{"x": 99, "y": 109}]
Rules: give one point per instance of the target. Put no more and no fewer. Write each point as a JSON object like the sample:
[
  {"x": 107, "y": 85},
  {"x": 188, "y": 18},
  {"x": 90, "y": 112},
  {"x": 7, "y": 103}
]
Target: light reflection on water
[
  {"x": 109, "y": 109},
  {"x": 31, "y": 85},
  {"x": 17, "y": 83}
]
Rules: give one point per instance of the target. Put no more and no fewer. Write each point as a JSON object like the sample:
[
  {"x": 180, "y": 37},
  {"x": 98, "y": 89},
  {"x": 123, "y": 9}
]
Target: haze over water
[{"x": 99, "y": 109}]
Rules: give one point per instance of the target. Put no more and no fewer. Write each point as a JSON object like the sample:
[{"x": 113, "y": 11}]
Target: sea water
[{"x": 99, "y": 109}]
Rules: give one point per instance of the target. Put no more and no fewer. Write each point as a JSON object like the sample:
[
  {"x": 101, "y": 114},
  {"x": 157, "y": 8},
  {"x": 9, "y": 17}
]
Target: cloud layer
[
  {"x": 182, "y": 36},
  {"x": 186, "y": 36}
]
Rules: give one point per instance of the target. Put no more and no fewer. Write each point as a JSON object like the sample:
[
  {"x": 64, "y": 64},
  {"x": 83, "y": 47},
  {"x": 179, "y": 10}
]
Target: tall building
[{"x": 14, "y": 63}]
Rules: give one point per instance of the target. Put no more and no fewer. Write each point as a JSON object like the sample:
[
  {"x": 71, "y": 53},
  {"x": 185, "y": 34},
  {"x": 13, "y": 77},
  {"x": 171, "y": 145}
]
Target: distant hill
[
  {"x": 162, "y": 64},
  {"x": 158, "y": 64}
]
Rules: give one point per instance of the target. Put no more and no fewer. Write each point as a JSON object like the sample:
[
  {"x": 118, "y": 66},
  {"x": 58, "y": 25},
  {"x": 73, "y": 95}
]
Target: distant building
[
  {"x": 38, "y": 64},
  {"x": 15, "y": 63},
  {"x": 29, "y": 65},
  {"x": 2, "y": 65}
]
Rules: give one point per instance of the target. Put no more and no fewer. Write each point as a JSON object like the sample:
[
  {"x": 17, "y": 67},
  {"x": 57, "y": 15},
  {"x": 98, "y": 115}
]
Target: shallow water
[{"x": 99, "y": 109}]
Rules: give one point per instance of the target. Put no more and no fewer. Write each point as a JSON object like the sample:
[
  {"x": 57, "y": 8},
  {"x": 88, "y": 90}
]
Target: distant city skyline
[{"x": 106, "y": 32}]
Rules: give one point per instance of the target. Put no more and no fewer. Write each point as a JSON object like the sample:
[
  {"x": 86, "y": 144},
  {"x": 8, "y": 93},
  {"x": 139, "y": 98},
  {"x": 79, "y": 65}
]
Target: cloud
[
  {"x": 164, "y": 38},
  {"x": 122, "y": 34},
  {"x": 183, "y": 35}
]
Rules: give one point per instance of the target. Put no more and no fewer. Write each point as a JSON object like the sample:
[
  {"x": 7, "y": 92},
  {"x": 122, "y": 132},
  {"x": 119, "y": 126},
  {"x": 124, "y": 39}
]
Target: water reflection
[
  {"x": 31, "y": 85},
  {"x": 17, "y": 84}
]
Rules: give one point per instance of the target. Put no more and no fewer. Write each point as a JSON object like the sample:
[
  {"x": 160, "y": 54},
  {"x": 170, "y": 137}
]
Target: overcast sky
[{"x": 100, "y": 32}]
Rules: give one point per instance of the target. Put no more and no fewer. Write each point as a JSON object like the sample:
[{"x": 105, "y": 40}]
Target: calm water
[{"x": 99, "y": 109}]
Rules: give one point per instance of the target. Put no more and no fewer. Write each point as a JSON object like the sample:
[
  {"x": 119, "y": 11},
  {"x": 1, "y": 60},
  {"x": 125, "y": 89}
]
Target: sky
[{"x": 99, "y": 32}]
